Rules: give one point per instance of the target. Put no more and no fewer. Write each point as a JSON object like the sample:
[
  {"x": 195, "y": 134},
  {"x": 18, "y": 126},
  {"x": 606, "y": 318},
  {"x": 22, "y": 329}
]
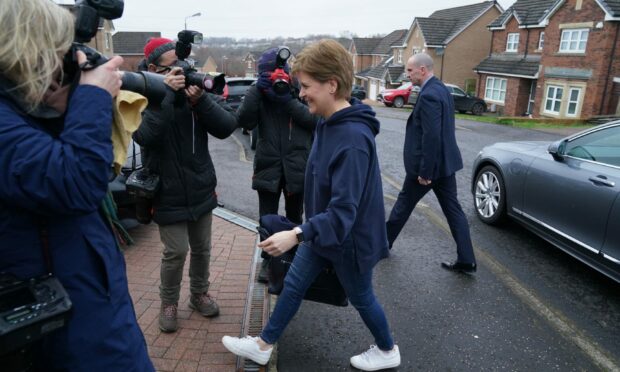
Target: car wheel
[
  {"x": 253, "y": 138},
  {"x": 490, "y": 196},
  {"x": 399, "y": 102},
  {"x": 477, "y": 109}
]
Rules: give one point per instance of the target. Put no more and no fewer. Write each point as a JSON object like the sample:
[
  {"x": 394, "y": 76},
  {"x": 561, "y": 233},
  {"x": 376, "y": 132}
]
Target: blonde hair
[
  {"x": 35, "y": 36},
  {"x": 324, "y": 60}
]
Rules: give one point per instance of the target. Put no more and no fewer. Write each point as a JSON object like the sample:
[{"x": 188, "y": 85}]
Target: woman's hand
[
  {"x": 278, "y": 243},
  {"x": 106, "y": 76}
]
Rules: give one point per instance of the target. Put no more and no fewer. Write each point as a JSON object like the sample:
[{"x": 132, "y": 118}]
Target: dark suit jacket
[{"x": 430, "y": 148}]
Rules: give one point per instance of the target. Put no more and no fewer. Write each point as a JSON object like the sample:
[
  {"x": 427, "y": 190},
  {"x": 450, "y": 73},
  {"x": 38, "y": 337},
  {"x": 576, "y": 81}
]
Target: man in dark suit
[{"x": 431, "y": 158}]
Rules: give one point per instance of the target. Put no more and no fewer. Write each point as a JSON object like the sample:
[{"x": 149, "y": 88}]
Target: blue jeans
[{"x": 305, "y": 268}]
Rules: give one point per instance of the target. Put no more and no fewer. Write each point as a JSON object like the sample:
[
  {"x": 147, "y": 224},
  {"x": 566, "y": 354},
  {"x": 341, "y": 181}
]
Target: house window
[
  {"x": 512, "y": 42},
  {"x": 553, "y": 100},
  {"x": 574, "y": 41},
  {"x": 495, "y": 89},
  {"x": 573, "y": 101},
  {"x": 541, "y": 41},
  {"x": 400, "y": 56},
  {"x": 106, "y": 39},
  {"x": 249, "y": 64}
]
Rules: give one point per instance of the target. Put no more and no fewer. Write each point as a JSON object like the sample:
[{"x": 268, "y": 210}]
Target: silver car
[{"x": 567, "y": 192}]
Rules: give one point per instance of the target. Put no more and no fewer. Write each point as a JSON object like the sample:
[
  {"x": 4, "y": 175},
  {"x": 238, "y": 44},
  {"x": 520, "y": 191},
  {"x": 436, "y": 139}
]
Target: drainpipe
[
  {"x": 442, "y": 57},
  {"x": 491, "y": 47},
  {"x": 611, "y": 61},
  {"x": 527, "y": 42}
]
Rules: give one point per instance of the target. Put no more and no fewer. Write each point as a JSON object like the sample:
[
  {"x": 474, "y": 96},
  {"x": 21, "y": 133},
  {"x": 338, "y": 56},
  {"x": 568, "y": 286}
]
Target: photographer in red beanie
[{"x": 176, "y": 143}]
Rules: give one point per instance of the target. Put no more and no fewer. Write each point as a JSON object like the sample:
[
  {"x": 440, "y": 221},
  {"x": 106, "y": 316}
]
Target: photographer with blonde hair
[
  {"x": 344, "y": 209},
  {"x": 55, "y": 159}
]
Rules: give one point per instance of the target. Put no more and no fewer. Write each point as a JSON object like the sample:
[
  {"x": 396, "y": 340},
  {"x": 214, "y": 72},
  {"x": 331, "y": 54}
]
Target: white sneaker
[
  {"x": 247, "y": 347},
  {"x": 375, "y": 359}
]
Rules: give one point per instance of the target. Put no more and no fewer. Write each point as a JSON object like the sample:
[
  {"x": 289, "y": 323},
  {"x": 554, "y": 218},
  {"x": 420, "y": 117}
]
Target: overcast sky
[{"x": 269, "y": 18}]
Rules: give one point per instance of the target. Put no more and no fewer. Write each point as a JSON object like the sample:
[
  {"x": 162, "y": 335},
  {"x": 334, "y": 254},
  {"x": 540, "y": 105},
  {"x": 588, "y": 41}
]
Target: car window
[
  {"x": 404, "y": 86},
  {"x": 450, "y": 89},
  {"x": 458, "y": 91},
  {"x": 240, "y": 82},
  {"x": 602, "y": 146},
  {"x": 237, "y": 89}
]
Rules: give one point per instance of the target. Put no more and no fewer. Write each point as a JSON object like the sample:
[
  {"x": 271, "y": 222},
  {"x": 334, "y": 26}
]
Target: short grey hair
[{"x": 423, "y": 59}]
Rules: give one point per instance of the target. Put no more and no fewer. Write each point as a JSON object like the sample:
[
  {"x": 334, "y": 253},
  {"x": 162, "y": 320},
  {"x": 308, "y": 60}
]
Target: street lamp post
[
  {"x": 193, "y": 15},
  {"x": 224, "y": 58}
]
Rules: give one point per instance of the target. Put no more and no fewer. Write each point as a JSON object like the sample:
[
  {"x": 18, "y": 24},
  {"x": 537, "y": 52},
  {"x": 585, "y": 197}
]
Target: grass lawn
[{"x": 525, "y": 122}]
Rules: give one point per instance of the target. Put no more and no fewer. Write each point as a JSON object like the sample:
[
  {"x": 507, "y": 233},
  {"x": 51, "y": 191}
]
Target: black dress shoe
[{"x": 467, "y": 268}]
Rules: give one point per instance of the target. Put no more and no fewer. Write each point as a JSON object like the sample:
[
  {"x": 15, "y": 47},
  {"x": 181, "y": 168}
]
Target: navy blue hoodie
[{"x": 343, "y": 192}]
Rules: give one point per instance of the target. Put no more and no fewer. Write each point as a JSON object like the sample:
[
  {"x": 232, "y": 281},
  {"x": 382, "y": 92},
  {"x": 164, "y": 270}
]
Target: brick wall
[
  {"x": 130, "y": 63},
  {"x": 363, "y": 62},
  {"x": 500, "y": 38},
  {"x": 517, "y": 95},
  {"x": 466, "y": 51}
]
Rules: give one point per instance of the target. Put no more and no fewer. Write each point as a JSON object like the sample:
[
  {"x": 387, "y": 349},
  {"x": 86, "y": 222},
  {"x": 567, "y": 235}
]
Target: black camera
[
  {"x": 183, "y": 48},
  {"x": 280, "y": 80}
]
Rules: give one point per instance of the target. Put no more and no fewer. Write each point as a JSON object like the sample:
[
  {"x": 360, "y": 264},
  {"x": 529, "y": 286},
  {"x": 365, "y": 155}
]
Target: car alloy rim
[{"x": 487, "y": 194}]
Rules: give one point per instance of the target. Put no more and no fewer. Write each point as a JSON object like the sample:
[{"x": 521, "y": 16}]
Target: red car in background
[{"x": 398, "y": 97}]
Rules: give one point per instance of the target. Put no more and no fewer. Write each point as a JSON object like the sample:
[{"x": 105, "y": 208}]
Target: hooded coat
[
  {"x": 57, "y": 182},
  {"x": 343, "y": 191}
]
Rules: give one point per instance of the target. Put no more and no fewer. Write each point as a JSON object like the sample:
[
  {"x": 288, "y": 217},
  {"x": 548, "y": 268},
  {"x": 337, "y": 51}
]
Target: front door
[
  {"x": 530, "y": 101},
  {"x": 373, "y": 91}
]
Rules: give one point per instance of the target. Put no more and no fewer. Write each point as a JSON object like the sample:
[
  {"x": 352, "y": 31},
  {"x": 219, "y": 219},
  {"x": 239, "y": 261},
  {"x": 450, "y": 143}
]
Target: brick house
[
  {"x": 130, "y": 46},
  {"x": 372, "y": 58},
  {"x": 554, "y": 58},
  {"x": 456, "y": 38}
]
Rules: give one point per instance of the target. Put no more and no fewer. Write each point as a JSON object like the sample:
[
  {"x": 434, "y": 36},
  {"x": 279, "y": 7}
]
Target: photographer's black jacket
[
  {"x": 284, "y": 140},
  {"x": 178, "y": 148}
]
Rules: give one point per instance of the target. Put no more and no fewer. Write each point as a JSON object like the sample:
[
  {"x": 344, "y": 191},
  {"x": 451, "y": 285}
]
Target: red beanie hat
[{"x": 155, "y": 47}]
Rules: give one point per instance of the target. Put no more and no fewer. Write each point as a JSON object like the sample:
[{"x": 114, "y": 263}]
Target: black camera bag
[{"x": 142, "y": 183}]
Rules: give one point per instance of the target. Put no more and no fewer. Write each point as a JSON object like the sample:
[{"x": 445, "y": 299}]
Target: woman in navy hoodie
[{"x": 344, "y": 209}]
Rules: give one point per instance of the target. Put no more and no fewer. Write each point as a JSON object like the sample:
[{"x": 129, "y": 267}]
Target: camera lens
[{"x": 284, "y": 53}]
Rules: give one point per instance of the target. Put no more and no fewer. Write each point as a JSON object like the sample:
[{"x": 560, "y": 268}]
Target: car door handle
[{"x": 602, "y": 181}]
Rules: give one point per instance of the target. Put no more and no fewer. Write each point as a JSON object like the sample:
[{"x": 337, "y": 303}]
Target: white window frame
[
  {"x": 400, "y": 56},
  {"x": 493, "y": 88},
  {"x": 572, "y": 39},
  {"x": 553, "y": 99},
  {"x": 541, "y": 41},
  {"x": 512, "y": 42},
  {"x": 577, "y": 111}
]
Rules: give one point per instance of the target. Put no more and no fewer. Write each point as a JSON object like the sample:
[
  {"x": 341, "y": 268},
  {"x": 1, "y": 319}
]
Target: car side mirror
[{"x": 556, "y": 149}]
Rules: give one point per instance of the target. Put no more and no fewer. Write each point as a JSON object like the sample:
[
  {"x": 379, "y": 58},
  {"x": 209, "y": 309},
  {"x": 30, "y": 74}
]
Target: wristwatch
[{"x": 300, "y": 234}]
